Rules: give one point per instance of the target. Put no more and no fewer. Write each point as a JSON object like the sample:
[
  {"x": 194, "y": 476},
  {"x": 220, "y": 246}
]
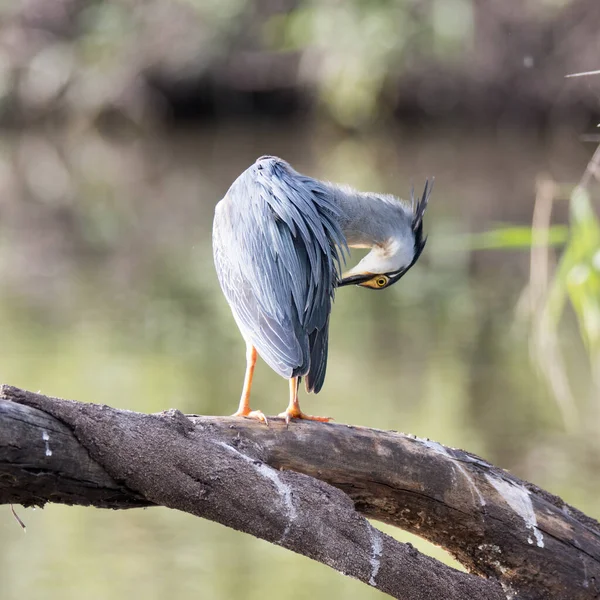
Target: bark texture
[{"x": 308, "y": 488}]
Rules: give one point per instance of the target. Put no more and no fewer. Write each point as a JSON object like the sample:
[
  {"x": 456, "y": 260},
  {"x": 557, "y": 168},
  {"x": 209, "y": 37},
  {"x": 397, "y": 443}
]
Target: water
[{"x": 109, "y": 295}]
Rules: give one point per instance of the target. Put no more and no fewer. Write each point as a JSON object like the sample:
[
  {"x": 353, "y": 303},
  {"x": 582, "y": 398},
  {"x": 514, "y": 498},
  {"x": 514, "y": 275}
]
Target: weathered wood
[
  {"x": 490, "y": 521},
  {"x": 275, "y": 482},
  {"x": 35, "y": 470}
]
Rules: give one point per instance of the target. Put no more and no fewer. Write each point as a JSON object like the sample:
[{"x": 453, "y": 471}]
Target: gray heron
[{"x": 279, "y": 240}]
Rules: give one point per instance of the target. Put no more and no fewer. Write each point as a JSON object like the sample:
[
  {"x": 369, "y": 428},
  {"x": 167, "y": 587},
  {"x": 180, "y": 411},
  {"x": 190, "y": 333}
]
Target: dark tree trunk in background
[{"x": 308, "y": 488}]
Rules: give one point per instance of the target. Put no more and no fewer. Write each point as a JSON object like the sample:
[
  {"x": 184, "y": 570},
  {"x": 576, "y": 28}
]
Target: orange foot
[
  {"x": 252, "y": 414},
  {"x": 296, "y": 413}
]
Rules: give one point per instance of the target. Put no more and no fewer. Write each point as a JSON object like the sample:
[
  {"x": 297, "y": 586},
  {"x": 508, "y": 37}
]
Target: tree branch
[{"x": 303, "y": 488}]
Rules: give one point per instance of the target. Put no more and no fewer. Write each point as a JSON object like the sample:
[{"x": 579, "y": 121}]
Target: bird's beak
[{"x": 357, "y": 279}]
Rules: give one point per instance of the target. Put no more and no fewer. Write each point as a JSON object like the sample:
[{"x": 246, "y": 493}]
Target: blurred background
[{"x": 124, "y": 122}]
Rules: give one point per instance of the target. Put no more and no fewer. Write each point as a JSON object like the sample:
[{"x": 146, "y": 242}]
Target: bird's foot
[
  {"x": 296, "y": 413},
  {"x": 252, "y": 414}
]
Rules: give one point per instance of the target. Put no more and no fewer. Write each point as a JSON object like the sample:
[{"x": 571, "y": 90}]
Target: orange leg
[
  {"x": 293, "y": 410},
  {"x": 244, "y": 407}
]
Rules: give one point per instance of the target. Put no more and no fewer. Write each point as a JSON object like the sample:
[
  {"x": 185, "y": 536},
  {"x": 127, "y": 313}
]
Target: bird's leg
[
  {"x": 293, "y": 410},
  {"x": 244, "y": 407}
]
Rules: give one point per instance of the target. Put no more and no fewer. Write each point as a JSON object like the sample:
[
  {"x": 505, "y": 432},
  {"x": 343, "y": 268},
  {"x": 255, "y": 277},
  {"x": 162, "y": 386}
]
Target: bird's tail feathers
[{"x": 318, "y": 342}]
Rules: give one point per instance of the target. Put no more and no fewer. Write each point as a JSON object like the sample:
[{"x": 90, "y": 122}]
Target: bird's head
[{"x": 390, "y": 259}]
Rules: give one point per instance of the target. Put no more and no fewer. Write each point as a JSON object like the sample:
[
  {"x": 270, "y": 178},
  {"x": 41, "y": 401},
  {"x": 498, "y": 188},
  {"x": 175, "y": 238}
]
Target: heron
[{"x": 279, "y": 241}]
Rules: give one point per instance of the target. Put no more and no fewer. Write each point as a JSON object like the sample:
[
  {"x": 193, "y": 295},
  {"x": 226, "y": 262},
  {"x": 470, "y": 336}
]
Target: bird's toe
[
  {"x": 252, "y": 414},
  {"x": 290, "y": 414}
]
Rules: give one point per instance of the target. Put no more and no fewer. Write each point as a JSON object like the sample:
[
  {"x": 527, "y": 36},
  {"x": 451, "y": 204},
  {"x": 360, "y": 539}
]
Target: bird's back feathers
[{"x": 276, "y": 241}]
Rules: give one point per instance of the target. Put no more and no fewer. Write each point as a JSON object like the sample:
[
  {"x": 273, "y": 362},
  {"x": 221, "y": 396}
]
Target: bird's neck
[{"x": 365, "y": 219}]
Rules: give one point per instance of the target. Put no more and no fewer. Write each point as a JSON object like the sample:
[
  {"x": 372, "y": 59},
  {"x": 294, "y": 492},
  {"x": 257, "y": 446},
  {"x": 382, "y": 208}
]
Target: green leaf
[{"x": 518, "y": 237}]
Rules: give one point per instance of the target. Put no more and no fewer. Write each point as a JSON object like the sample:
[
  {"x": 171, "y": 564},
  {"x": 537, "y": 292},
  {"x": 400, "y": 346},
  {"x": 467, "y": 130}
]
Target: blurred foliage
[
  {"x": 362, "y": 61},
  {"x": 356, "y": 46},
  {"x": 575, "y": 283},
  {"x": 578, "y": 275}
]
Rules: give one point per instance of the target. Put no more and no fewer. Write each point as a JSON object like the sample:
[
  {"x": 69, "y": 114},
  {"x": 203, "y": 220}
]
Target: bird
[{"x": 279, "y": 240}]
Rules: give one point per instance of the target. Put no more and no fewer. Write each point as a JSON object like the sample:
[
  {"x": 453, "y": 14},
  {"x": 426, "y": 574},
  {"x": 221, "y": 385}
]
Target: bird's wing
[{"x": 275, "y": 239}]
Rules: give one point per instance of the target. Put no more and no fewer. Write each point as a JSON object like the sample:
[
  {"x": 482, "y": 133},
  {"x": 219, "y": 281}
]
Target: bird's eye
[{"x": 381, "y": 281}]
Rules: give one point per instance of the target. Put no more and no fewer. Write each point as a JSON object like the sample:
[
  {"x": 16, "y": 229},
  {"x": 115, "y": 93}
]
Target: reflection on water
[{"x": 109, "y": 295}]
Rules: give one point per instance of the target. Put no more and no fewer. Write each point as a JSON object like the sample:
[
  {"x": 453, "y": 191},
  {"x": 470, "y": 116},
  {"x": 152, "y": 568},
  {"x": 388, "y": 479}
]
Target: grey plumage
[
  {"x": 276, "y": 243},
  {"x": 357, "y": 212}
]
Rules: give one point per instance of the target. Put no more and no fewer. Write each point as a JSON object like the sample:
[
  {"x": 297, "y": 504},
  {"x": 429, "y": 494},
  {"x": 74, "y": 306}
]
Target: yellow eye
[{"x": 381, "y": 281}]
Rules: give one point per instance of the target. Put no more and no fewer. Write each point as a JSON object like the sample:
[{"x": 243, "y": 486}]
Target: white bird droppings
[
  {"x": 509, "y": 591},
  {"x": 586, "y": 581},
  {"x": 518, "y": 498},
  {"x": 376, "y": 550},
  {"x": 46, "y": 438},
  {"x": 284, "y": 490},
  {"x": 436, "y": 447}
]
